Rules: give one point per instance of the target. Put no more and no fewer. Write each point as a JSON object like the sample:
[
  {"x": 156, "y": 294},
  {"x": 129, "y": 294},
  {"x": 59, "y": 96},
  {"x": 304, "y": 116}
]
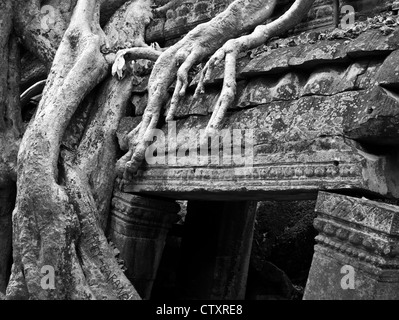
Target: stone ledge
[{"x": 298, "y": 146}]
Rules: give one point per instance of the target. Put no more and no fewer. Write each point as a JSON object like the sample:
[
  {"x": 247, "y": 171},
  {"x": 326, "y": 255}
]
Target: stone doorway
[{"x": 232, "y": 250}]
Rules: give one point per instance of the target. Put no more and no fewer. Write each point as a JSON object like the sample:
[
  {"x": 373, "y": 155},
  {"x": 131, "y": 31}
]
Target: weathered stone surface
[
  {"x": 138, "y": 229},
  {"x": 184, "y": 17},
  {"x": 330, "y": 81},
  {"x": 298, "y": 148},
  {"x": 359, "y": 235},
  {"x": 321, "y": 15},
  {"x": 267, "y": 89},
  {"x": 367, "y": 79},
  {"x": 316, "y": 107},
  {"x": 364, "y": 8},
  {"x": 201, "y": 106},
  {"x": 373, "y": 43},
  {"x": 295, "y": 84},
  {"x": 377, "y": 121},
  {"x": 285, "y": 87},
  {"x": 323, "y": 52},
  {"x": 388, "y": 74},
  {"x": 275, "y": 61}
]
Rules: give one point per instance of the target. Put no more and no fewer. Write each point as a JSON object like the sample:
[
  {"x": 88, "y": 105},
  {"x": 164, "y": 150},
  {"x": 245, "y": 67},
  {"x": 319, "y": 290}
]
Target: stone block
[
  {"x": 377, "y": 119},
  {"x": 356, "y": 256}
]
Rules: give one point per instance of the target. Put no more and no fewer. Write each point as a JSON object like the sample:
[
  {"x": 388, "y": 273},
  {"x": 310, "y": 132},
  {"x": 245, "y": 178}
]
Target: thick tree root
[
  {"x": 56, "y": 221},
  {"x": 230, "y": 50},
  {"x": 199, "y": 43},
  {"x": 216, "y": 38}
]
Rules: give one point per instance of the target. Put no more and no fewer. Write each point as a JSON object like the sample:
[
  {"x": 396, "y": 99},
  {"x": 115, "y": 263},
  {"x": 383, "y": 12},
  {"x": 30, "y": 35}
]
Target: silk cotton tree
[{"x": 65, "y": 161}]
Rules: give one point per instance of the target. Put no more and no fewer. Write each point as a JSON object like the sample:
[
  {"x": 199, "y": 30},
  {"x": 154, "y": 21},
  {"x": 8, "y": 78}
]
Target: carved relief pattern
[
  {"x": 359, "y": 228},
  {"x": 273, "y": 172},
  {"x": 141, "y": 214},
  {"x": 295, "y": 176},
  {"x": 190, "y": 13}
]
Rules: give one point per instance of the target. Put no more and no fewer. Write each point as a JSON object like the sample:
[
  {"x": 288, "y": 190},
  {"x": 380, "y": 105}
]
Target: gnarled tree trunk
[{"x": 64, "y": 173}]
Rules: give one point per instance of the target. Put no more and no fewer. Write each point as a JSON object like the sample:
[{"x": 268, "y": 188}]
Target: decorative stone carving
[
  {"x": 139, "y": 227},
  {"x": 359, "y": 234},
  {"x": 298, "y": 149},
  {"x": 181, "y": 19},
  {"x": 321, "y": 15},
  {"x": 316, "y": 107}
]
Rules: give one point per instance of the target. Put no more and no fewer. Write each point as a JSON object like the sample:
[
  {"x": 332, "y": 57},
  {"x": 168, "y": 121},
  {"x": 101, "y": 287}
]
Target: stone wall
[
  {"x": 309, "y": 99},
  {"x": 184, "y": 17}
]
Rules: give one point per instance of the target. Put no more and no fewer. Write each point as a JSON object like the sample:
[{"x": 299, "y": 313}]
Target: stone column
[
  {"x": 356, "y": 256},
  {"x": 216, "y": 249},
  {"x": 139, "y": 226}
]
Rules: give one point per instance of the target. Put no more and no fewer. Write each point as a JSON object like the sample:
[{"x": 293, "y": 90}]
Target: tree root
[
  {"x": 56, "y": 220},
  {"x": 219, "y": 39},
  {"x": 230, "y": 50}
]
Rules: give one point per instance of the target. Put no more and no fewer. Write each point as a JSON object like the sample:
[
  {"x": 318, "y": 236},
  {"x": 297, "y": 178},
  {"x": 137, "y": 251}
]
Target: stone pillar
[
  {"x": 216, "y": 249},
  {"x": 139, "y": 226},
  {"x": 356, "y": 256}
]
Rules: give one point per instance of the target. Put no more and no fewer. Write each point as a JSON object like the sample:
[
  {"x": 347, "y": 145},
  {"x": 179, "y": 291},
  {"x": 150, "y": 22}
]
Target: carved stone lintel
[
  {"x": 357, "y": 251},
  {"x": 139, "y": 227}
]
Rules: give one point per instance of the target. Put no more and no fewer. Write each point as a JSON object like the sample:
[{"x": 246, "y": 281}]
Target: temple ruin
[
  {"x": 323, "y": 108},
  {"x": 319, "y": 109}
]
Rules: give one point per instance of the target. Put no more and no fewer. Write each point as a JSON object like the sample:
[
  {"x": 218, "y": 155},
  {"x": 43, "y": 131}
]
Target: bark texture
[
  {"x": 10, "y": 134},
  {"x": 65, "y": 166}
]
